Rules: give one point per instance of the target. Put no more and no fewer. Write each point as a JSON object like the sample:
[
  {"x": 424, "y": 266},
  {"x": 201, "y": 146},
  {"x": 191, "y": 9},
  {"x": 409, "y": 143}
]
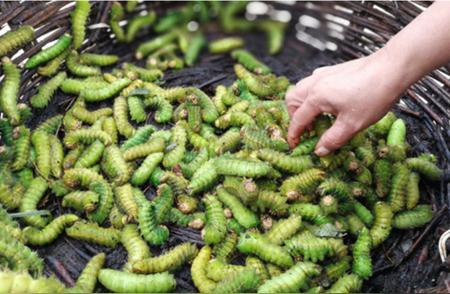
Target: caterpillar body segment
[
  {"x": 30, "y": 201},
  {"x": 309, "y": 246},
  {"x": 22, "y": 282},
  {"x": 382, "y": 224},
  {"x": 305, "y": 147},
  {"x": 250, "y": 62},
  {"x": 52, "y": 66},
  {"x": 77, "y": 68},
  {"x": 205, "y": 176},
  {"x": 198, "y": 271},
  {"x": 153, "y": 233},
  {"x": 244, "y": 281},
  {"x": 106, "y": 200},
  {"x": 136, "y": 247},
  {"x": 414, "y": 218},
  {"x": 98, "y": 59},
  {"x": 90, "y": 117},
  {"x": 243, "y": 215},
  {"x": 225, "y": 45},
  {"x": 381, "y": 127},
  {"x": 349, "y": 283},
  {"x": 9, "y": 91},
  {"x": 242, "y": 168},
  {"x": 259, "y": 266},
  {"x": 125, "y": 198},
  {"x": 284, "y": 229},
  {"x": 284, "y": 162},
  {"x": 143, "y": 150},
  {"x": 81, "y": 200},
  {"x": 383, "y": 176},
  {"x": 124, "y": 282},
  {"x": 244, "y": 189},
  {"x": 79, "y": 18},
  {"x": 86, "y": 136},
  {"x": 174, "y": 156},
  {"x": 275, "y": 34},
  {"x": 104, "y": 93},
  {"x": 397, "y": 194},
  {"x": 141, "y": 135},
  {"x": 215, "y": 228},
  {"x": 48, "y": 54},
  {"x": 93, "y": 233},
  {"x": 412, "y": 191},
  {"x": 169, "y": 261},
  {"x": 57, "y": 156},
  {"x": 142, "y": 174},
  {"x": 87, "y": 280},
  {"x": 21, "y": 149},
  {"x": 273, "y": 202},
  {"x": 295, "y": 186},
  {"x": 362, "y": 262},
  {"x": 426, "y": 168},
  {"x": 136, "y": 108},
  {"x": 91, "y": 155},
  {"x": 218, "y": 270},
  {"x": 50, "y": 232},
  {"x": 13, "y": 40}
]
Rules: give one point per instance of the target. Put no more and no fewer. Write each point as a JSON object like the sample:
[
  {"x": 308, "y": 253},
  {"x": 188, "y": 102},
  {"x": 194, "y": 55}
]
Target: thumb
[{"x": 335, "y": 137}]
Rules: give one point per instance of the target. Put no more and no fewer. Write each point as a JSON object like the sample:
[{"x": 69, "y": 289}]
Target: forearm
[{"x": 419, "y": 48}]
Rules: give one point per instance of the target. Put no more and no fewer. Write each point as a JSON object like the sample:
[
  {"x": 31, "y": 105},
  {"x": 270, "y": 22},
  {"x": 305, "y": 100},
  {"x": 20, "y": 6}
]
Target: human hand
[{"x": 357, "y": 93}]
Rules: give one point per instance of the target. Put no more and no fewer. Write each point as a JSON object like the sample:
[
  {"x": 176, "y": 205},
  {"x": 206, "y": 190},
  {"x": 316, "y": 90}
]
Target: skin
[{"x": 347, "y": 90}]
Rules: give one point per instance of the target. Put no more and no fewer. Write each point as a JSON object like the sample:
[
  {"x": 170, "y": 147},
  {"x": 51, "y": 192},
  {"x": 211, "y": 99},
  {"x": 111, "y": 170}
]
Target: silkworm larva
[
  {"x": 296, "y": 186},
  {"x": 109, "y": 126},
  {"x": 50, "y": 232},
  {"x": 142, "y": 174},
  {"x": 123, "y": 282},
  {"x": 57, "y": 156},
  {"x": 248, "y": 60},
  {"x": 275, "y": 31},
  {"x": 77, "y": 68},
  {"x": 355, "y": 224},
  {"x": 150, "y": 46},
  {"x": 234, "y": 119},
  {"x": 91, "y": 155},
  {"x": 254, "y": 83},
  {"x": 252, "y": 243},
  {"x": 414, "y": 218},
  {"x": 383, "y": 173},
  {"x": 293, "y": 280},
  {"x": 229, "y": 141},
  {"x": 285, "y": 162},
  {"x": 47, "y": 90},
  {"x": 336, "y": 270},
  {"x": 49, "y": 53},
  {"x": 164, "y": 110},
  {"x": 196, "y": 44},
  {"x": 338, "y": 248},
  {"x": 22, "y": 282},
  {"x": 6, "y": 131},
  {"x": 397, "y": 194},
  {"x": 198, "y": 271},
  {"x": 117, "y": 219},
  {"x": 272, "y": 202},
  {"x": 188, "y": 169},
  {"x": 412, "y": 191},
  {"x": 243, "y": 281},
  {"x": 115, "y": 166},
  {"x": 136, "y": 247},
  {"x": 86, "y": 136},
  {"x": 224, "y": 249},
  {"x": 10, "y": 90},
  {"x": 125, "y": 199},
  {"x": 174, "y": 156},
  {"x": 209, "y": 111},
  {"x": 81, "y": 200},
  {"x": 153, "y": 233},
  {"x": 72, "y": 156},
  {"x": 245, "y": 189},
  {"x": 349, "y": 283},
  {"x": 169, "y": 261},
  {"x": 103, "y": 189},
  {"x": 138, "y": 22},
  {"x": 215, "y": 228},
  {"x": 309, "y": 246},
  {"x": 59, "y": 188},
  {"x": 335, "y": 187},
  {"x": 90, "y": 117},
  {"x": 120, "y": 111},
  {"x": 225, "y": 45},
  {"x": 79, "y": 18},
  {"x": 259, "y": 267},
  {"x": 243, "y": 168},
  {"x": 104, "y": 93},
  {"x": 93, "y": 233},
  {"x": 136, "y": 108},
  {"x": 142, "y": 150},
  {"x": 52, "y": 66},
  {"x": 30, "y": 200},
  {"x": 243, "y": 215},
  {"x": 425, "y": 167},
  {"x": 141, "y": 135},
  {"x": 362, "y": 262},
  {"x": 381, "y": 127},
  {"x": 98, "y": 59},
  {"x": 117, "y": 14},
  {"x": 383, "y": 223},
  {"x": 284, "y": 229},
  {"x": 203, "y": 178},
  {"x": 21, "y": 149},
  {"x": 217, "y": 270},
  {"x": 366, "y": 154},
  {"x": 88, "y": 278},
  {"x": 75, "y": 86},
  {"x": 194, "y": 112},
  {"x": 41, "y": 143},
  {"x": 310, "y": 212},
  {"x": 15, "y": 39}
]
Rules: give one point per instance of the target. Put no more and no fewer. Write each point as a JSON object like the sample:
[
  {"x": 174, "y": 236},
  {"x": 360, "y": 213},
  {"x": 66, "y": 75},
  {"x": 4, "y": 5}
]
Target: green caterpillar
[
  {"x": 412, "y": 191},
  {"x": 86, "y": 136},
  {"x": 285, "y": 162},
  {"x": 90, "y": 117},
  {"x": 243, "y": 281},
  {"x": 259, "y": 267},
  {"x": 363, "y": 213},
  {"x": 147, "y": 167},
  {"x": 146, "y": 75},
  {"x": 234, "y": 119},
  {"x": 117, "y": 219},
  {"x": 251, "y": 243},
  {"x": 362, "y": 262},
  {"x": 148, "y": 47},
  {"x": 273, "y": 202},
  {"x": 114, "y": 165},
  {"x": 382, "y": 127},
  {"x": 284, "y": 229},
  {"x": 196, "y": 44},
  {"x": 169, "y": 261},
  {"x": 109, "y": 126},
  {"x": 293, "y": 280},
  {"x": 164, "y": 110},
  {"x": 383, "y": 174},
  {"x": 383, "y": 223},
  {"x": 426, "y": 168},
  {"x": 254, "y": 83},
  {"x": 242, "y": 168},
  {"x": 98, "y": 59},
  {"x": 30, "y": 200},
  {"x": 106, "y": 92},
  {"x": 243, "y": 215},
  {"x": 188, "y": 169},
  {"x": 80, "y": 176},
  {"x": 50, "y": 232},
  {"x": 174, "y": 156},
  {"x": 194, "y": 112},
  {"x": 93, "y": 233},
  {"x": 154, "y": 145},
  {"x": 88, "y": 278},
  {"x": 198, "y": 271},
  {"x": 6, "y": 131},
  {"x": 397, "y": 194},
  {"x": 53, "y": 65},
  {"x": 335, "y": 270},
  {"x": 245, "y": 189},
  {"x": 349, "y": 283},
  {"x": 48, "y": 54},
  {"x": 225, "y": 45},
  {"x": 138, "y": 22},
  {"x": 77, "y": 68},
  {"x": 141, "y": 135},
  {"x": 91, "y": 155},
  {"x": 136, "y": 247},
  {"x": 106, "y": 200},
  {"x": 125, "y": 199},
  {"x": 75, "y": 86},
  {"x": 215, "y": 228},
  {"x": 136, "y": 108},
  {"x": 296, "y": 186},
  {"x": 21, "y": 149},
  {"x": 57, "y": 156},
  {"x": 309, "y": 246},
  {"x": 81, "y": 201},
  {"x": 217, "y": 270},
  {"x": 414, "y": 218},
  {"x": 152, "y": 232},
  {"x": 123, "y": 282},
  {"x": 116, "y": 14},
  {"x": 41, "y": 144},
  {"x": 79, "y": 18},
  {"x": 120, "y": 112},
  {"x": 22, "y": 282},
  {"x": 275, "y": 34},
  {"x": 256, "y": 138},
  {"x": 9, "y": 91},
  {"x": 250, "y": 61},
  {"x": 229, "y": 141},
  {"x": 224, "y": 249},
  {"x": 15, "y": 39}
]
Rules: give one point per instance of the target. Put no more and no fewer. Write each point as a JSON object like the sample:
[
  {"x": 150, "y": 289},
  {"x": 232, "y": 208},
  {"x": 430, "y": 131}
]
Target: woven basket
[{"x": 327, "y": 33}]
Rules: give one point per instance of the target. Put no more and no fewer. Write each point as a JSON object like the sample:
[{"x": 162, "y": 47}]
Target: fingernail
[{"x": 322, "y": 151}]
